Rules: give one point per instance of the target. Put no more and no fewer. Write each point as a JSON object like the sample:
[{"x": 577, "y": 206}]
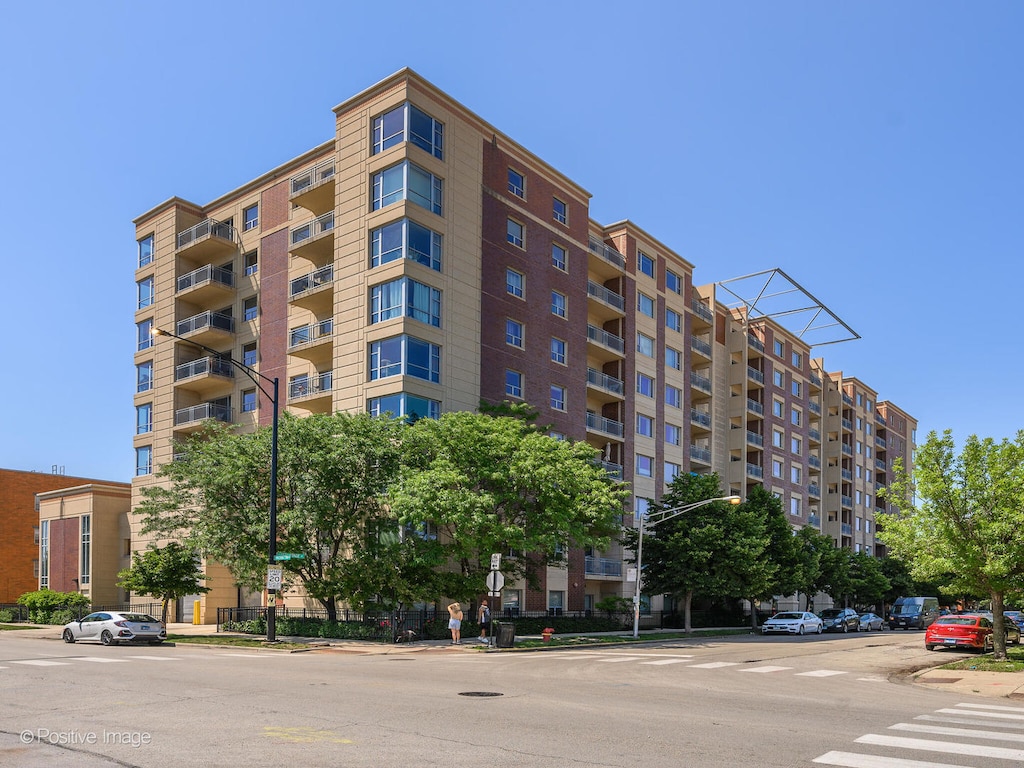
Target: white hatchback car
[
  {"x": 793, "y": 623},
  {"x": 111, "y": 627}
]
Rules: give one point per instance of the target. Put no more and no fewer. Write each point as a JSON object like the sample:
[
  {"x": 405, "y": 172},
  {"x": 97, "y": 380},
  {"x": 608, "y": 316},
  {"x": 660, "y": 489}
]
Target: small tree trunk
[
  {"x": 163, "y": 610},
  {"x": 332, "y": 609},
  {"x": 998, "y": 628},
  {"x": 753, "y": 614},
  {"x": 687, "y": 601}
]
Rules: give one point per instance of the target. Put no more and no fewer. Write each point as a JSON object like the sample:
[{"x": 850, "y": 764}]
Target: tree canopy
[{"x": 166, "y": 573}]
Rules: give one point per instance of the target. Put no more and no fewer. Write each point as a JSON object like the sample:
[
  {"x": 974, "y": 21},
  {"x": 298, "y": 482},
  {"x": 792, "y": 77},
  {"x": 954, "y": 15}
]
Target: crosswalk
[
  {"x": 66, "y": 661},
  {"x": 994, "y": 732}
]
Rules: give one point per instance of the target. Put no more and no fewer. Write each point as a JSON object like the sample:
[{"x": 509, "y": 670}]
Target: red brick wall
[
  {"x": 273, "y": 317},
  {"x": 64, "y": 552}
]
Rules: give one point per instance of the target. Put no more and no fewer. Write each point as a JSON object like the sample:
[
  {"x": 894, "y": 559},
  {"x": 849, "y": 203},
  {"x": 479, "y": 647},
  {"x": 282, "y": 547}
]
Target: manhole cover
[{"x": 481, "y": 693}]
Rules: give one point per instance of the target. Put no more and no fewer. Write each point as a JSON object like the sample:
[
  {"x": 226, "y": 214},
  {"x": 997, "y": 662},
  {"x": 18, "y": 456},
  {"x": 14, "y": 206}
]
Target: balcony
[
  {"x": 880, "y": 464},
  {"x": 814, "y": 435},
  {"x": 700, "y": 455},
  {"x": 846, "y": 501},
  {"x": 814, "y": 490},
  {"x": 604, "y": 260},
  {"x": 605, "y": 384},
  {"x": 604, "y": 426},
  {"x": 847, "y": 400},
  {"x": 846, "y": 528},
  {"x": 880, "y": 442},
  {"x": 606, "y": 304},
  {"x": 700, "y": 419},
  {"x": 314, "y": 291},
  {"x": 753, "y": 470},
  {"x": 206, "y": 328},
  {"x": 205, "y": 374},
  {"x": 206, "y": 285},
  {"x": 206, "y": 240},
  {"x": 755, "y": 407},
  {"x": 604, "y": 342},
  {"x": 614, "y": 470},
  {"x": 815, "y": 381},
  {"x": 755, "y": 375},
  {"x": 311, "y": 393},
  {"x": 847, "y": 425},
  {"x": 846, "y": 474},
  {"x": 602, "y": 567},
  {"x": 700, "y": 345},
  {"x": 314, "y": 189},
  {"x": 755, "y": 343},
  {"x": 314, "y": 240},
  {"x": 814, "y": 521},
  {"x": 702, "y": 313},
  {"x": 814, "y": 408},
  {"x": 702, "y": 383},
  {"x": 814, "y": 461},
  {"x": 755, "y": 439},
  {"x": 312, "y": 341},
  {"x": 847, "y": 450},
  {"x": 191, "y": 419}
]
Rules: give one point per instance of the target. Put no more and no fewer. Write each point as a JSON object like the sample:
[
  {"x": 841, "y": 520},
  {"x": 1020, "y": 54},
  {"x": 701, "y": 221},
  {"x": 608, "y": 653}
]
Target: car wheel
[
  {"x": 929, "y": 647},
  {"x": 107, "y": 639},
  {"x": 69, "y": 636},
  {"x": 820, "y": 629},
  {"x": 801, "y": 630},
  {"x": 846, "y": 627}
]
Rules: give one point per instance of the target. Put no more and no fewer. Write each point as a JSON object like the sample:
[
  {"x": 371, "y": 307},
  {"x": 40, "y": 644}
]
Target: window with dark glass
[
  {"x": 406, "y": 239},
  {"x": 516, "y": 183}
]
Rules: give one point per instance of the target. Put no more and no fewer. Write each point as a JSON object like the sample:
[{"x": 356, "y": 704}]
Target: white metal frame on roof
[{"x": 773, "y": 294}]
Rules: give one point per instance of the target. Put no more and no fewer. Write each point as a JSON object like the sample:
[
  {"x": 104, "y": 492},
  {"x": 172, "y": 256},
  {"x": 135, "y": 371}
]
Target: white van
[{"x": 913, "y": 612}]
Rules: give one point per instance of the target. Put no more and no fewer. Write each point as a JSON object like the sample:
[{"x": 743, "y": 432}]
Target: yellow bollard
[{"x": 195, "y": 612}]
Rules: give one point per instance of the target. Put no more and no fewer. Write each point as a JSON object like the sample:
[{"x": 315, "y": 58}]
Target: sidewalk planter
[{"x": 546, "y": 634}]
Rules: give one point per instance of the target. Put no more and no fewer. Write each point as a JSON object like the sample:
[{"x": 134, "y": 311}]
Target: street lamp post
[
  {"x": 662, "y": 516},
  {"x": 256, "y": 378}
]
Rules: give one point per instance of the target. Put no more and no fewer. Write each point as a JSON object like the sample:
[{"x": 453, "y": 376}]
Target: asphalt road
[{"x": 747, "y": 700}]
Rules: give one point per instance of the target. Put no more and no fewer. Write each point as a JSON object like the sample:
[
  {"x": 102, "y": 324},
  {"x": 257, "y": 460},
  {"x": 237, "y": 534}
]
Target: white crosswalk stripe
[
  {"x": 854, "y": 760},
  {"x": 660, "y": 662},
  {"x": 820, "y": 673},
  {"x": 42, "y": 663},
  {"x": 714, "y": 665},
  {"x": 766, "y": 669},
  {"x": 946, "y": 747},
  {"x": 155, "y": 658},
  {"x": 102, "y": 660}
]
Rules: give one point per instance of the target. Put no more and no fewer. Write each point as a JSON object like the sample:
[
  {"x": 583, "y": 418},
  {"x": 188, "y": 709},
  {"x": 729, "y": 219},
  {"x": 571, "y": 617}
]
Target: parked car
[
  {"x": 871, "y": 621},
  {"x": 840, "y": 620},
  {"x": 793, "y": 623},
  {"x": 966, "y": 630},
  {"x": 111, "y": 628},
  {"x": 913, "y": 612},
  {"x": 1017, "y": 617}
]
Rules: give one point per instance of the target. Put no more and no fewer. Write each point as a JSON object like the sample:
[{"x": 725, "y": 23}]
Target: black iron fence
[{"x": 14, "y": 613}]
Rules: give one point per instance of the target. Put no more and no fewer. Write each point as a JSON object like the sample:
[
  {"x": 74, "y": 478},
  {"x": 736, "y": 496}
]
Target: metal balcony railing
[
  {"x": 755, "y": 375},
  {"x": 201, "y": 413},
  {"x": 202, "y": 229},
  {"x": 318, "y": 173},
  {"x": 755, "y": 407},
  {"x": 204, "y": 365},
  {"x": 703, "y": 383},
  {"x": 307, "y": 385},
  {"x": 755, "y": 342},
  {"x": 607, "y": 253},
  {"x": 753, "y": 470},
  {"x": 207, "y": 274},
  {"x": 602, "y": 566},
  {"x": 814, "y": 490},
  {"x": 703, "y": 311},
  {"x": 700, "y": 417},
  {"x": 311, "y": 229},
  {"x": 603, "y": 337},
  {"x": 601, "y": 424},
  {"x": 606, "y": 295},
  {"x": 310, "y": 281},
  {"x": 700, "y": 345},
  {"x": 700, "y": 454},
  {"x": 310, "y": 333},
  {"x": 606, "y": 382},
  {"x": 208, "y": 319},
  {"x": 755, "y": 439}
]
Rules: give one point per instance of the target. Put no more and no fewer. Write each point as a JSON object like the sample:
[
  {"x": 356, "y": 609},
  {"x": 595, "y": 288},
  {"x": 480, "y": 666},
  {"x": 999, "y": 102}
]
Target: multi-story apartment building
[{"x": 420, "y": 261}]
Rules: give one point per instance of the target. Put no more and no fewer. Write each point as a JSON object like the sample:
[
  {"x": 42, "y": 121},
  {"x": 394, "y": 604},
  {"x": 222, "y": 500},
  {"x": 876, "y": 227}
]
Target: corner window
[
  {"x": 513, "y": 384},
  {"x": 143, "y": 418},
  {"x": 405, "y": 239},
  {"x": 144, "y": 334},
  {"x": 645, "y": 263},
  {"x": 250, "y": 218},
  {"x": 560, "y": 211},
  {"x": 405, "y": 355},
  {"x": 144, "y": 460},
  {"x": 406, "y": 181},
  {"x": 145, "y": 250},
  {"x": 405, "y": 406},
  {"x": 144, "y": 376},
  {"x": 514, "y": 233},
  {"x": 408, "y": 123},
  {"x": 516, "y": 183},
  {"x": 145, "y": 292},
  {"x": 405, "y": 297}
]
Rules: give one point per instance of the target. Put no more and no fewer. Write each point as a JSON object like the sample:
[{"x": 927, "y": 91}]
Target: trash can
[{"x": 504, "y": 634}]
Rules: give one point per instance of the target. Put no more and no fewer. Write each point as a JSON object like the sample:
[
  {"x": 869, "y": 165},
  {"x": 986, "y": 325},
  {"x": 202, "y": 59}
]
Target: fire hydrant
[{"x": 546, "y": 634}]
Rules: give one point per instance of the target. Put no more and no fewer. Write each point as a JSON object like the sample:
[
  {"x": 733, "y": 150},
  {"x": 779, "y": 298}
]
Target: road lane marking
[
  {"x": 820, "y": 673},
  {"x": 156, "y": 658},
  {"x": 617, "y": 659},
  {"x": 946, "y": 747},
  {"x": 766, "y": 669},
  {"x": 100, "y": 659},
  {"x": 999, "y": 715},
  {"x": 938, "y": 730},
  {"x": 714, "y": 665},
  {"x": 43, "y": 663},
  {"x": 992, "y": 706},
  {"x": 853, "y": 760},
  {"x": 664, "y": 661},
  {"x": 967, "y": 721}
]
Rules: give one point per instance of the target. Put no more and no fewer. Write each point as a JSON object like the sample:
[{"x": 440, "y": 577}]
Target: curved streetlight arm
[
  {"x": 274, "y": 397},
  {"x": 646, "y": 522}
]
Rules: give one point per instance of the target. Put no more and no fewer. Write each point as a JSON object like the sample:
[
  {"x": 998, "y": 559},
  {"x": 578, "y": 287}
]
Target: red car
[{"x": 966, "y": 630}]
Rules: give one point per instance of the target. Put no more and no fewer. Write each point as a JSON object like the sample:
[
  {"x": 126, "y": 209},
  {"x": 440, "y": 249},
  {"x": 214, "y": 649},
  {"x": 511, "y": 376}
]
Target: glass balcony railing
[
  {"x": 204, "y": 365},
  {"x": 606, "y": 339},
  {"x": 700, "y": 417},
  {"x": 606, "y": 295},
  {"x": 602, "y": 566},
  {"x": 209, "y": 227},
  {"x": 846, "y": 475},
  {"x": 847, "y": 425},
  {"x": 702, "y": 455},
  {"x": 614, "y": 470},
  {"x": 307, "y": 334},
  {"x": 311, "y": 229},
  {"x": 755, "y": 439},
  {"x": 755, "y": 407},
  {"x": 814, "y": 520},
  {"x": 203, "y": 320},
  {"x": 207, "y": 274},
  {"x": 307, "y": 179},
  {"x": 847, "y": 501},
  {"x": 755, "y": 342},
  {"x": 605, "y": 382},
  {"x": 847, "y": 529},
  {"x": 814, "y": 461},
  {"x": 700, "y": 345},
  {"x": 701, "y": 310},
  {"x": 814, "y": 434},
  {"x": 753, "y": 470},
  {"x": 755, "y": 375},
  {"x": 813, "y": 407},
  {"x": 607, "y": 253},
  {"x": 601, "y": 424},
  {"x": 847, "y": 449},
  {"x": 814, "y": 490},
  {"x": 310, "y": 385}
]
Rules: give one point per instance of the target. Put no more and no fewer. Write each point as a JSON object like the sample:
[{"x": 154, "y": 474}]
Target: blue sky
[{"x": 872, "y": 150}]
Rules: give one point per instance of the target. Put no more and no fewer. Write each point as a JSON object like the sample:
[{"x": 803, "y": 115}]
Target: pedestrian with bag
[{"x": 484, "y": 618}]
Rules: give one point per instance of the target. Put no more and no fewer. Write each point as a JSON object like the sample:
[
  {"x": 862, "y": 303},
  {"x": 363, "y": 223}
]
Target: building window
[
  {"x": 778, "y": 379},
  {"x": 249, "y": 400},
  {"x": 798, "y": 360},
  {"x": 645, "y": 345},
  {"x": 645, "y": 263},
  {"x": 557, "y": 397},
  {"x": 144, "y": 460},
  {"x": 516, "y": 183},
  {"x": 644, "y": 465},
  {"x": 144, "y": 376},
  {"x": 145, "y": 250},
  {"x": 644, "y": 425},
  {"x": 405, "y": 355},
  {"x": 795, "y": 475},
  {"x": 672, "y": 471},
  {"x": 251, "y": 261},
  {"x": 250, "y": 218},
  {"x": 777, "y": 346},
  {"x": 673, "y": 358},
  {"x": 405, "y": 239},
  {"x": 514, "y": 282},
  {"x": 645, "y": 304},
  {"x": 673, "y": 434},
  {"x": 35, "y": 535},
  {"x": 406, "y": 181},
  {"x": 777, "y": 407},
  {"x": 250, "y": 308},
  {"x": 145, "y": 291},
  {"x": 143, "y": 418},
  {"x": 795, "y": 416},
  {"x": 85, "y": 560},
  {"x": 796, "y": 388},
  {"x": 558, "y": 304},
  {"x": 558, "y": 350},
  {"x": 644, "y": 385},
  {"x": 249, "y": 355},
  {"x": 44, "y": 554},
  {"x": 514, "y": 233},
  {"x": 794, "y": 507},
  {"x": 778, "y": 438},
  {"x": 405, "y": 297},
  {"x": 673, "y": 320},
  {"x": 144, "y": 333},
  {"x": 514, "y": 333},
  {"x": 405, "y": 406},
  {"x": 408, "y": 123},
  {"x": 513, "y": 383},
  {"x": 673, "y": 396},
  {"x": 673, "y": 282},
  {"x": 559, "y": 257},
  {"x": 776, "y": 468},
  {"x": 556, "y": 601},
  {"x": 795, "y": 445},
  {"x": 560, "y": 211}
]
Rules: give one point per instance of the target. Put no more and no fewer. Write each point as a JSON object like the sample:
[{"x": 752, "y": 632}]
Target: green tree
[
  {"x": 699, "y": 552},
  {"x": 333, "y": 472},
  {"x": 497, "y": 484},
  {"x": 868, "y": 584},
  {"x": 968, "y": 520},
  {"x": 166, "y": 573},
  {"x": 813, "y": 553}
]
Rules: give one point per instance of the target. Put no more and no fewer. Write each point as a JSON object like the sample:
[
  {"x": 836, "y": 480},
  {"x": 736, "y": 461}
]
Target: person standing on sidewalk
[
  {"x": 484, "y": 617},
  {"x": 455, "y": 622}
]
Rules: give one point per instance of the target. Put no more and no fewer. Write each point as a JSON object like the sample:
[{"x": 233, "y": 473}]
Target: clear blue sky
[{"x": 872, "y": 150}]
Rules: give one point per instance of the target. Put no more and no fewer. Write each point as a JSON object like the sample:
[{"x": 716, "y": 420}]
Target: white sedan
[
  {"x": 793, "y": 623},
  {"x": 111, "y": 628}
]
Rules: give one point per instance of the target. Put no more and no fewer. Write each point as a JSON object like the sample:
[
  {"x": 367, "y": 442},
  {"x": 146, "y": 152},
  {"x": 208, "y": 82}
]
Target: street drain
[{"x": 481, "y": 693}]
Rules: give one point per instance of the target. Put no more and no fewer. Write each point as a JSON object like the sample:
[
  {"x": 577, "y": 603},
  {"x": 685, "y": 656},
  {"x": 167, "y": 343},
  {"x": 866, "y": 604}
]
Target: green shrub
[
  {"x": 62, "y": 616},
  {"x": 43, "y": 603},
  {"x": 6, "y": 615}
]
